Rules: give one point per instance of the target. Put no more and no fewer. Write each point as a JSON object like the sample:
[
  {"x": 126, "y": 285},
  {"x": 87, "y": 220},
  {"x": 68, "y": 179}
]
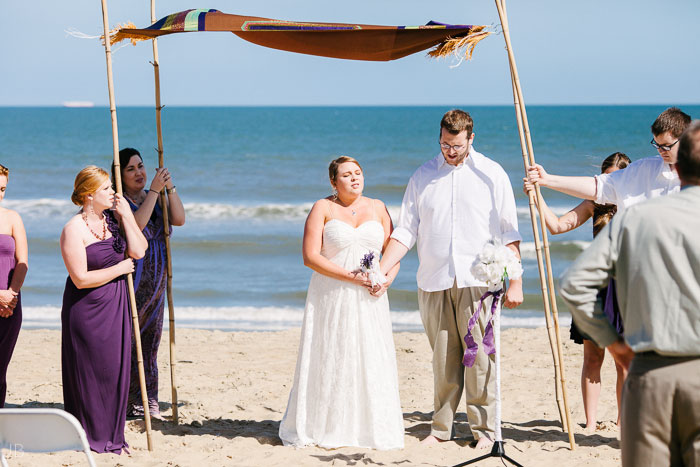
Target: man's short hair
[
  {"x": 456, "y": 121},
  {"x": 688, "y": 163},
  {"x": 673, "y": 120}
]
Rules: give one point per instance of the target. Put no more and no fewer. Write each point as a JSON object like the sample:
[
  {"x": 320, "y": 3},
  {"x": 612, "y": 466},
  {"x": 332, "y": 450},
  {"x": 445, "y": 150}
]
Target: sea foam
[{"x": 249, "y": 318}]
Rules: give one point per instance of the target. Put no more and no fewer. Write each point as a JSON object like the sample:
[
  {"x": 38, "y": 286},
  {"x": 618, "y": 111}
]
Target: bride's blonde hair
[{"x": 333, "y": 168}]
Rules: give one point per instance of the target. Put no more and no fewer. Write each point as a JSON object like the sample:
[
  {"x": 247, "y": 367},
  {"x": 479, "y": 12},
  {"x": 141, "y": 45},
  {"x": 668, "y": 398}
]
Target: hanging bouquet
[
  {"x": 495, "y": 263},
  {"x": 369, "y": 265}
]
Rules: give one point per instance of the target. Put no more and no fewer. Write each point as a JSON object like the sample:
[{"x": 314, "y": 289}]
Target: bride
[{"x": 345, "y": 389}]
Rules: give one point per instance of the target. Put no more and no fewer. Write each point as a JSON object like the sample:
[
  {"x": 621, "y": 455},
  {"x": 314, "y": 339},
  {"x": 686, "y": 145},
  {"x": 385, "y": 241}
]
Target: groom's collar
[{"x": 471, "y": 160}]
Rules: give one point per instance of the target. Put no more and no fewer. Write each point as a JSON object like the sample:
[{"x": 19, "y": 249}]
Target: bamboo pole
[
  {"x": 500, "y": 5},
  {"x": 166, "y": 224},
  {"x": 118, "y": 182},
  {"x": 540, "y": 264}
]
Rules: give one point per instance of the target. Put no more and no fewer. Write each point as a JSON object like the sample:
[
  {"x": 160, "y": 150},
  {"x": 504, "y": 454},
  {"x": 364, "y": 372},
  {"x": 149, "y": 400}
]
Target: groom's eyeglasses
[
  {"x": 663, "y": 147},
  {"x": 457, "y": 148}
]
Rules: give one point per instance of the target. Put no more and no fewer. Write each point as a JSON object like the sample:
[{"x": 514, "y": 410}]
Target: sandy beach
[{"x": 233, "y": 390}]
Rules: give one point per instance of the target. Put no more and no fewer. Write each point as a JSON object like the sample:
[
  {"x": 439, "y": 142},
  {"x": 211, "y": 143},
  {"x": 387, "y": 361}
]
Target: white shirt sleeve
[
  {"x": 606, "y": 188},
  {"x": 616, "y": 187},
  {"x": 508, "y": 212},
  {"x": 406, "y": 230}
]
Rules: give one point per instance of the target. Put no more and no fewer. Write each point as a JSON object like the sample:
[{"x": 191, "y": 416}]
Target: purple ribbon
[{"x": 487, "y": 341}]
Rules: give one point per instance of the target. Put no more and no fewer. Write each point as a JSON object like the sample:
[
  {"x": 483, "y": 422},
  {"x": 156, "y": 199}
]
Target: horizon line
[{"x": 106, "y": 106}]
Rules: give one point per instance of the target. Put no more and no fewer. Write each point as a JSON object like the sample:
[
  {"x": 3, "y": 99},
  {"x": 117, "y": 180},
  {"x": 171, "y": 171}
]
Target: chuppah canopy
[
  {"x": 372, "y": 43},
  {"x": 335, "y": 40}
]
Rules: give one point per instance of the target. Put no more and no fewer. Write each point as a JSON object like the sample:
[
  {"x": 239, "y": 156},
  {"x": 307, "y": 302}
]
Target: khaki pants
[
  {"x": 445, "y": 316},
  {"x": 661, "y": 412}
]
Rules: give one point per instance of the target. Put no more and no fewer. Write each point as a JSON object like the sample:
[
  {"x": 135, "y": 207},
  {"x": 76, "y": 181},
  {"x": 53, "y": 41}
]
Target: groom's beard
[{"x": 460, "y": 157}]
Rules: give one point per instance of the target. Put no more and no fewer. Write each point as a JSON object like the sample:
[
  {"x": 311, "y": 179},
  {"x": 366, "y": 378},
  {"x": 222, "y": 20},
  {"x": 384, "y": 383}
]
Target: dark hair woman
[{"x": 150, "y": 272}]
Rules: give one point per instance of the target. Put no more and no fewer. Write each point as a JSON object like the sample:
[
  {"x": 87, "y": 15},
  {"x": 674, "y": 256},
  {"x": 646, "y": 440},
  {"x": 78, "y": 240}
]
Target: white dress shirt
[
  {"x": 452, "y": 212},
  {"x": 646, "y": 178}
]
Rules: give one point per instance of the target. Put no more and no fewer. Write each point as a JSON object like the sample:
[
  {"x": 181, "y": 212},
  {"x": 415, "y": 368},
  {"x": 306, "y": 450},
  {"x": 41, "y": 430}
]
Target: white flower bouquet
[{"x": 494, "y": 264}]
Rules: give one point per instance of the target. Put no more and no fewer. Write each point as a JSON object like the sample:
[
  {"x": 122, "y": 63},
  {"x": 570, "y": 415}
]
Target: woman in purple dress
[
  {"x": 13, "y": 270},
  {"x": 96, "y": 326},
  {"x": 593, "y": 355},
  {"x": 150, "y": 274}
]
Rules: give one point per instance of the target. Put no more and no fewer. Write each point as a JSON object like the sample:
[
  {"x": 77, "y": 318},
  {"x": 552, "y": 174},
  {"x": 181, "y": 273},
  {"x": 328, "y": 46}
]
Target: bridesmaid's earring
[{"x": 335, "y": 194}]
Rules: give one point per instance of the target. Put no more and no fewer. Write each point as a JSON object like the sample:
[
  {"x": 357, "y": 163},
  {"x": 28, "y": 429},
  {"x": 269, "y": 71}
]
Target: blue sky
[{"x": 593, "y": 52}]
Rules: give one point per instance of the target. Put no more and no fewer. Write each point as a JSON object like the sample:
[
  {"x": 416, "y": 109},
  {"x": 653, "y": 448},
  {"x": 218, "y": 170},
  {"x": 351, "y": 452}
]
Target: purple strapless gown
[
  {"x": 9, "y": 327},
  {"x": 96, "y": 349}
]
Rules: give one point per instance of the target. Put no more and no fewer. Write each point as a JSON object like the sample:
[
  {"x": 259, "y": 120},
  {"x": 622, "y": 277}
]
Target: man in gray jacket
[{"x": 652, "y": 249}]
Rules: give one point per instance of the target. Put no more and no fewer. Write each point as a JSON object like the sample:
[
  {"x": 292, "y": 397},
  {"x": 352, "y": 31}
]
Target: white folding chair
[{"x": 41, "y": 430}]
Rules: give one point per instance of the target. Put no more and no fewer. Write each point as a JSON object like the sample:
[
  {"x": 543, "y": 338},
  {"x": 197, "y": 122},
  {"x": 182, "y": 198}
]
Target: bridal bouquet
[
  {"x": 495, "y": 263},
  {"x": 369, "y": 265}
]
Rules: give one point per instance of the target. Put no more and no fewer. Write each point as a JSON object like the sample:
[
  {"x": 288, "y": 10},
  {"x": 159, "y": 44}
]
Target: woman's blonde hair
[
  {"x": 4, "y": 171},
  {"x": 87, "y": 182},
  {"x": 333, "y": 168}
]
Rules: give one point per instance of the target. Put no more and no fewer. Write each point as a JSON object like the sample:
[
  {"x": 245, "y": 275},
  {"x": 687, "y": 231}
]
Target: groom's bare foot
[
  {"x": 430, "y": 440},
  {"x": 484, "y": 443}
]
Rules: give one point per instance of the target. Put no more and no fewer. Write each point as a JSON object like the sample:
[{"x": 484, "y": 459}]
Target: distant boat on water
[{"x": 78, "y": 104}]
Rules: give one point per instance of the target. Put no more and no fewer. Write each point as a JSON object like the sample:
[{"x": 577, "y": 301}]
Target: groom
[{"x": 453, "y": 205}]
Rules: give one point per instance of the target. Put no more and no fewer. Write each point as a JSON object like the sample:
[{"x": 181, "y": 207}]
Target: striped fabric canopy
[{"x": 337, "y": 40}]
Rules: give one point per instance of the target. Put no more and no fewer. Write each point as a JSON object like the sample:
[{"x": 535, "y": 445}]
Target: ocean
[{"x": 249, "y": 175}]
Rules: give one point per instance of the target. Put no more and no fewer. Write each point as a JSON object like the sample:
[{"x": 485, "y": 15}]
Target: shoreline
[
  {"x": 233, "y": 389},
  {"x": 275, "y": 319}
]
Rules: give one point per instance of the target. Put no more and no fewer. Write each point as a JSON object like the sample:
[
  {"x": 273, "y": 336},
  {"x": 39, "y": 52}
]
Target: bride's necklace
[
  {"x": 104, "y": 227},
  {"x": 352, "y": 210}
]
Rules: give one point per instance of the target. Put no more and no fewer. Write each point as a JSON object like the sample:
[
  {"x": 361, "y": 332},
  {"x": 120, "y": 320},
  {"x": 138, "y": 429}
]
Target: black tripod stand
[{"x": 498, "y": 450}]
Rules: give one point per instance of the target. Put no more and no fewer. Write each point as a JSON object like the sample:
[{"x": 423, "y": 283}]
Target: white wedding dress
[{"x": 345, "y": 389}]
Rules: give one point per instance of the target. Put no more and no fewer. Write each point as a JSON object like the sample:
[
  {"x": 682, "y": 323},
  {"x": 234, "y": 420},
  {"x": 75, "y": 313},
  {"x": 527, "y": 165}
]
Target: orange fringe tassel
[
  {"x": 121, "y": 32},
  {"x": 453, "y": 46}
]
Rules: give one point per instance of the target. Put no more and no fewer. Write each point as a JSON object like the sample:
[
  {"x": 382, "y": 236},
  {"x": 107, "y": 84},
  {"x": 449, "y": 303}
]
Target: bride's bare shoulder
[
  {"x": 379, "y": 207},
  {"x": 323, "y": 203},
  {"x": 320, "y": 211},
  {"x": 378, "y": 203}
]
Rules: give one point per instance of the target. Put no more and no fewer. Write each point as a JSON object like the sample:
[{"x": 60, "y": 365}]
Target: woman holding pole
[
  {"x": 95, "y": 318},
  {"x": 592, "y": 354},
  {"x": 150, "y": 273}
]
